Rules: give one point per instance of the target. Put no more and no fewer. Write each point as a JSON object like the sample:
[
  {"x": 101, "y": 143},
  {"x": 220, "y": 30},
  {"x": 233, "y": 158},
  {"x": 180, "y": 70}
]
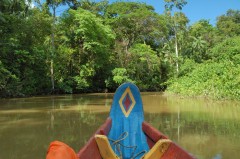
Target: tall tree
[
  {"x": 201, "y": 36},
  {"x": 178, "y": 4},
  {"x": 84, "y": 49},
  {"x": 204, "y": 29},
  {"x": 53, "y": 5},
  {"x": 95, "y": 7},
  {"x": 144, "y": 61},
  {"x": 229, "y": 24},
  {"x": 134, "y": 23},
  {"x": 199, "y": 48},
  {"x": 22, "y": 51}
]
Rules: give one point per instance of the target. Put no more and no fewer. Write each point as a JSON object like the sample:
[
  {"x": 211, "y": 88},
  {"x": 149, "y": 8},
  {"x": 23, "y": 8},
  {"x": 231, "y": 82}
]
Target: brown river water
[{"x": 207, "y": 129}]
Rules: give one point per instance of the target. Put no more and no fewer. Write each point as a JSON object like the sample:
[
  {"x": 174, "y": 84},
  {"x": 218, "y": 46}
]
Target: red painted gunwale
[
  {"x": 90, "y": 149},
  {"x": 174, "y": 151}
]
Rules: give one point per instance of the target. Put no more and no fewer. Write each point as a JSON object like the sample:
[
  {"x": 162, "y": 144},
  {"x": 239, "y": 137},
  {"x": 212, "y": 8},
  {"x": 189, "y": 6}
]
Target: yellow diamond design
[{"x": 127, "y": 102}]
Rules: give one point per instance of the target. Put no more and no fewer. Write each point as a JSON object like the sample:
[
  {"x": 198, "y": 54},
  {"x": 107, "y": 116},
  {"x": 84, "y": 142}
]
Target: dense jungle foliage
[{"x": 95, "y": 46}]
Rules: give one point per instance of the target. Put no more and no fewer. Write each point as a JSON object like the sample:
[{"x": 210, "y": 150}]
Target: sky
[{"x": 195, "y": 10}]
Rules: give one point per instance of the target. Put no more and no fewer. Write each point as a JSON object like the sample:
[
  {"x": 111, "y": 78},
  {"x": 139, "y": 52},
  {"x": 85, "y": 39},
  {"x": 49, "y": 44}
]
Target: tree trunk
[
  {"x": 176, "y": 51},
  {"x": 176, "y": 46},
  {"x": 53, "y": 49}
]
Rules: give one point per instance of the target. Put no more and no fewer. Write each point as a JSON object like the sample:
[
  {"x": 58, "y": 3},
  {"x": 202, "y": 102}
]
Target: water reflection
[{"x": 208, "y": 129}]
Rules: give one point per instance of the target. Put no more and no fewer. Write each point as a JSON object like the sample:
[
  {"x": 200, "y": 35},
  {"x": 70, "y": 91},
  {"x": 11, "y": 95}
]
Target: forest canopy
[{"x": 95, "y": 46}]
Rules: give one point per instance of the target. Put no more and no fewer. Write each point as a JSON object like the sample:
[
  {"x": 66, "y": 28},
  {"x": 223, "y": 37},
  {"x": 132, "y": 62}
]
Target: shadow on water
[{"x": 208, "y": 129}]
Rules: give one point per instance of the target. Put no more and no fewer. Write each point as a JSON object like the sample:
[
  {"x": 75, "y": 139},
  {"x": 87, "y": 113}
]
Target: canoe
[{"x": 125, "y": 134}]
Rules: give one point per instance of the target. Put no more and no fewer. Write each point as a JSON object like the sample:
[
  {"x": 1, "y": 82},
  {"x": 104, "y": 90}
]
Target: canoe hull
[
  {"x": 173, "y": 152},
  {"x": 125, "y": 134},
  {"x": 90, "y": 150}
]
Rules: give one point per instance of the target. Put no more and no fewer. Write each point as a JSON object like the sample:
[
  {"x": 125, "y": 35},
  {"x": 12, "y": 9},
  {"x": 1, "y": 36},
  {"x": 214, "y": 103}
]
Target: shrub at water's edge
[{"x": 217, "y": 78}]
